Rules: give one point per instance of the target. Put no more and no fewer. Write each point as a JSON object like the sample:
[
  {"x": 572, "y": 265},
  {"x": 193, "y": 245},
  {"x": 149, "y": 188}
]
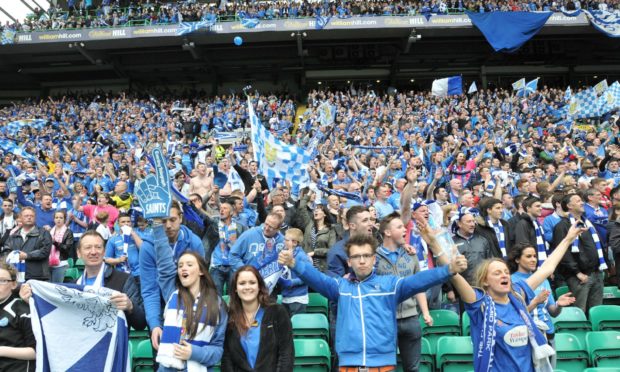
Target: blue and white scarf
[
  {"x": 175, "y": 330},
  {"x": 541, "y": 244},
  {"x": 485, "y": 349},
  {"x": 501, "y": 238},
  {"x": 599, "y": 249}
]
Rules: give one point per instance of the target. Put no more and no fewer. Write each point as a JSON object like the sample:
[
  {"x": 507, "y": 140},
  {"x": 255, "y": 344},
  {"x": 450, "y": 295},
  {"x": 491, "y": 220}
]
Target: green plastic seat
[
  {"x": 79, "y": 264},
  {"x": 561, "y": 290},
  {"x": 70, "y": 262},
  {"x": 445, "y": 323},
  {"x": 602, "y": 369},
  {"x": 226, "y": 299},
  {"x": 573, "y": 320},
  {"x": 455, "y": 354},
  {"x": 465, "y": 324},
  {"x": 311, "y": 355},
  {"x": 604, "y": 348},
  {"x": 427, "y": 362},
  {"x": 317, "y": 303},
  {"x": 572, "y": 356},
  {"x": 611, "y": 295},
  {"x": 310, "y": 326},
  {"x": 71, "y": 275},
  {"x": 143, "y": 357},
  {"x": 605, "y": 317}
]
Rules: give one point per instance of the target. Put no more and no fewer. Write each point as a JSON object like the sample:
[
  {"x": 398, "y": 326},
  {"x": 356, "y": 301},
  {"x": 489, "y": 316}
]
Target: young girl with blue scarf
[{"x": 504, "y": 335}]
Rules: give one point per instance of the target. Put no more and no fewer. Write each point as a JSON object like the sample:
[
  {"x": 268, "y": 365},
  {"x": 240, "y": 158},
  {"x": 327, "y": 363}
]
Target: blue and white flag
[
  {"x": 447, "y": 86},
  {"x": 614, "y": 90},
  {"x": 568, "y": 94},
  {"x": 248, "y": 22},
  {"x": 584, "y": 105},
  {"x": 9, "y": 146},
  {"x": 277, "y": 159},
  {"x": 8, "y": 36},
  {"x": 189, "y": 27},
  {"x": 529, "y": 88},
  {"x": 82, "y": 320},
  {"x": 14, "y": 127},
  {"x": 607, "y": 102},
  {"x": 472, "y": 88},
  {"x": 327, "y": 113},
  {"x": 605, "y": 21},
  {"x": 574, "y": 13},
  {"x": 321, "y": 21},
  {"x": 601, "y": 87},
  {"x": 519, "y": 84}
]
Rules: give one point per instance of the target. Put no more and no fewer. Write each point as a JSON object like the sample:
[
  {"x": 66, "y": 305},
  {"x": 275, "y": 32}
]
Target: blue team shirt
[{"x": 540, "y": 312}]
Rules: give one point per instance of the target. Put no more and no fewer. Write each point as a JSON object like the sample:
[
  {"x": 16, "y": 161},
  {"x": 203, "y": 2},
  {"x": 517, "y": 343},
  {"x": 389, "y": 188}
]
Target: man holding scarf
[{"x": 583, "y": 265}]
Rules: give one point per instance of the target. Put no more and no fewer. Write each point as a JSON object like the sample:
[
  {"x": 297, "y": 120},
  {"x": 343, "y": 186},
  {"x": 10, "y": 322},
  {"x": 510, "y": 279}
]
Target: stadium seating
[
  {"x": 427, "y": 361},
  {"x": 310, "y": 326},
  {"x": 605, "y": 317},
  {"x": 445, "y": 323},
  {"x": 465, "y": 326},
  {"x": 604, "y": 348},
  {"x": 611, "y": 295},
  {"x": 143, "y": 357},
  {"x": 560, "y": 291},
  {"x": 454, "y": 354},
  {"x": 135, "y": 337},
  {"x": 79, "y": 264},
  {"x": 572, "y": 356},
  {"x": 601, "y": 369},
  {"x": 317, "y": 303},
  {"x": 71, "y": 275},
  {"x": 311, "y": 355},
  {"x": 572, "y": 320}
]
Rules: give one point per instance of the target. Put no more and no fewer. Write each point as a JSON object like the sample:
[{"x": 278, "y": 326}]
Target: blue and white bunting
[{"x": 189, "y": 27}]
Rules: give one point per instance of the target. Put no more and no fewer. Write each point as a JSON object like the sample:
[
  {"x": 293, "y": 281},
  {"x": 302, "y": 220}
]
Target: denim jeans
[
  {"x": 221, "y": 275},
  {"x": 410, "y": 342},
  {"x": 588, "y": 294},
  {"x": 58, "y": 273},
  {"x": 295, "y": 308}
]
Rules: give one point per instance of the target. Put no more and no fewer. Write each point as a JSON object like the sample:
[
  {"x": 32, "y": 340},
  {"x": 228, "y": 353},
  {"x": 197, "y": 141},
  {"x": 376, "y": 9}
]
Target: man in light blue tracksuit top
[
  {"x": 367, "y": 302},
  {"x": 179, "y": 239}
]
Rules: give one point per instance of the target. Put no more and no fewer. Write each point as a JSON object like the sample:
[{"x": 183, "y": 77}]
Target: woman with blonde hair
[{"x": 503, "y": 333}]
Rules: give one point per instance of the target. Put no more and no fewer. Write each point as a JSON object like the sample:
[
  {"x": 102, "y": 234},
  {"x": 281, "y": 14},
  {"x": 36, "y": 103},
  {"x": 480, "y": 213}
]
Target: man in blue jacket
[
  {"x": 368, "y": 340},
  {"x": 180, "y": 239}
]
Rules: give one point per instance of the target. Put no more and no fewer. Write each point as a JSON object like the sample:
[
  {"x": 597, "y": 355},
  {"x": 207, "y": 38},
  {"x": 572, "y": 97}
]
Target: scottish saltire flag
[
  {"x": 472, "y": 88},
  {"x": 584, "y": 105},
  {"x": 321, "y": 21},
  {"x": 519, "y": 84},
  {"x": 529, "y": 88},
  {"x": 8, "y": 36},
  {"x": 508, "y": 31},
  {"x": 601, "y": 87},
  {"x": 9, "y": 146},
  {"x": 189, "y": 27},
  {"x": 568, "y": 94},
  {"x": 277, "y": 159},
  {"x": 327, "y": 113},
  {"x": 447, "y": 86},
  {"x": 77, "y": 329},
  {"x": 605, "y": 21}
]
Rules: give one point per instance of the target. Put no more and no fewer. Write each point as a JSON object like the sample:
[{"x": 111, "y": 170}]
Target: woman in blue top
[
  {"x": 523, "y": 261},
  {"x": 504, "y": 335},
  {"x": 259, "y": 336}
]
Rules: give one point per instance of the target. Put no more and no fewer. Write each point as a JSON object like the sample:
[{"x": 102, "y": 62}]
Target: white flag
[{"x": 472, "y": 88}]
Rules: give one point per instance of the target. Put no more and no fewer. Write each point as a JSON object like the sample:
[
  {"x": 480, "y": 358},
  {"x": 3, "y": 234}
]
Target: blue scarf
[
  {"x": 599, "y": 249},
  {"x": 484, "y": 351},
  {"x": 499, "y": 232},
  {"x": 541, "y": 245}
]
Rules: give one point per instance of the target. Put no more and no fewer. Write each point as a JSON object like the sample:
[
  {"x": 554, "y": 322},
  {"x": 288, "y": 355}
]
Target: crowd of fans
[
  {"x": 108, "y": 13},
  {"x": 503, "y": 176}
]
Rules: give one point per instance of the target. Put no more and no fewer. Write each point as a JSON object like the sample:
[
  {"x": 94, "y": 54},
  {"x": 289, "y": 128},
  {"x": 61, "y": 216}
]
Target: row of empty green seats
[
  {"x": 611, "y": 294},
  {"x": 601, "y": 349}
]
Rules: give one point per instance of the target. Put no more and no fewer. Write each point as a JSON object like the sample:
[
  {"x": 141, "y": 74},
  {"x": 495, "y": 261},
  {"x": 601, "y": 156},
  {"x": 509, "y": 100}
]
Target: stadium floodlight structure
[
  {"x": 8, "y": 15},
  {"x": 27, "y": 5}
]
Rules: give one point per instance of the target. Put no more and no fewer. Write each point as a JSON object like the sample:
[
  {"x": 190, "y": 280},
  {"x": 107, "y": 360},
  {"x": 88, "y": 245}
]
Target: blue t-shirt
[
  {"x": 512, "y": 348},
  {"x": 540, "y": 312},
  {"x": 115, "y": 249},
  {"x": 251, "y": 341}
]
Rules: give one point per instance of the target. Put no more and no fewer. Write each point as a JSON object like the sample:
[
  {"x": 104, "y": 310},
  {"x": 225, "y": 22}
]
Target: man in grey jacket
[
  {"x": 393, "y": 259},
  {"x": 33, "y": 244},
  {"x": 475, "y": 247}
]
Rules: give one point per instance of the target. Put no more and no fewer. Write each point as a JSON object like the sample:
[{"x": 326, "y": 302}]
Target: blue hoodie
[
  {"x": 366, "y": 327},
  {"x": 249, "y": 249},
  {"x": 295, "y": 289},
  {"x": 151, "y": 286}
]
